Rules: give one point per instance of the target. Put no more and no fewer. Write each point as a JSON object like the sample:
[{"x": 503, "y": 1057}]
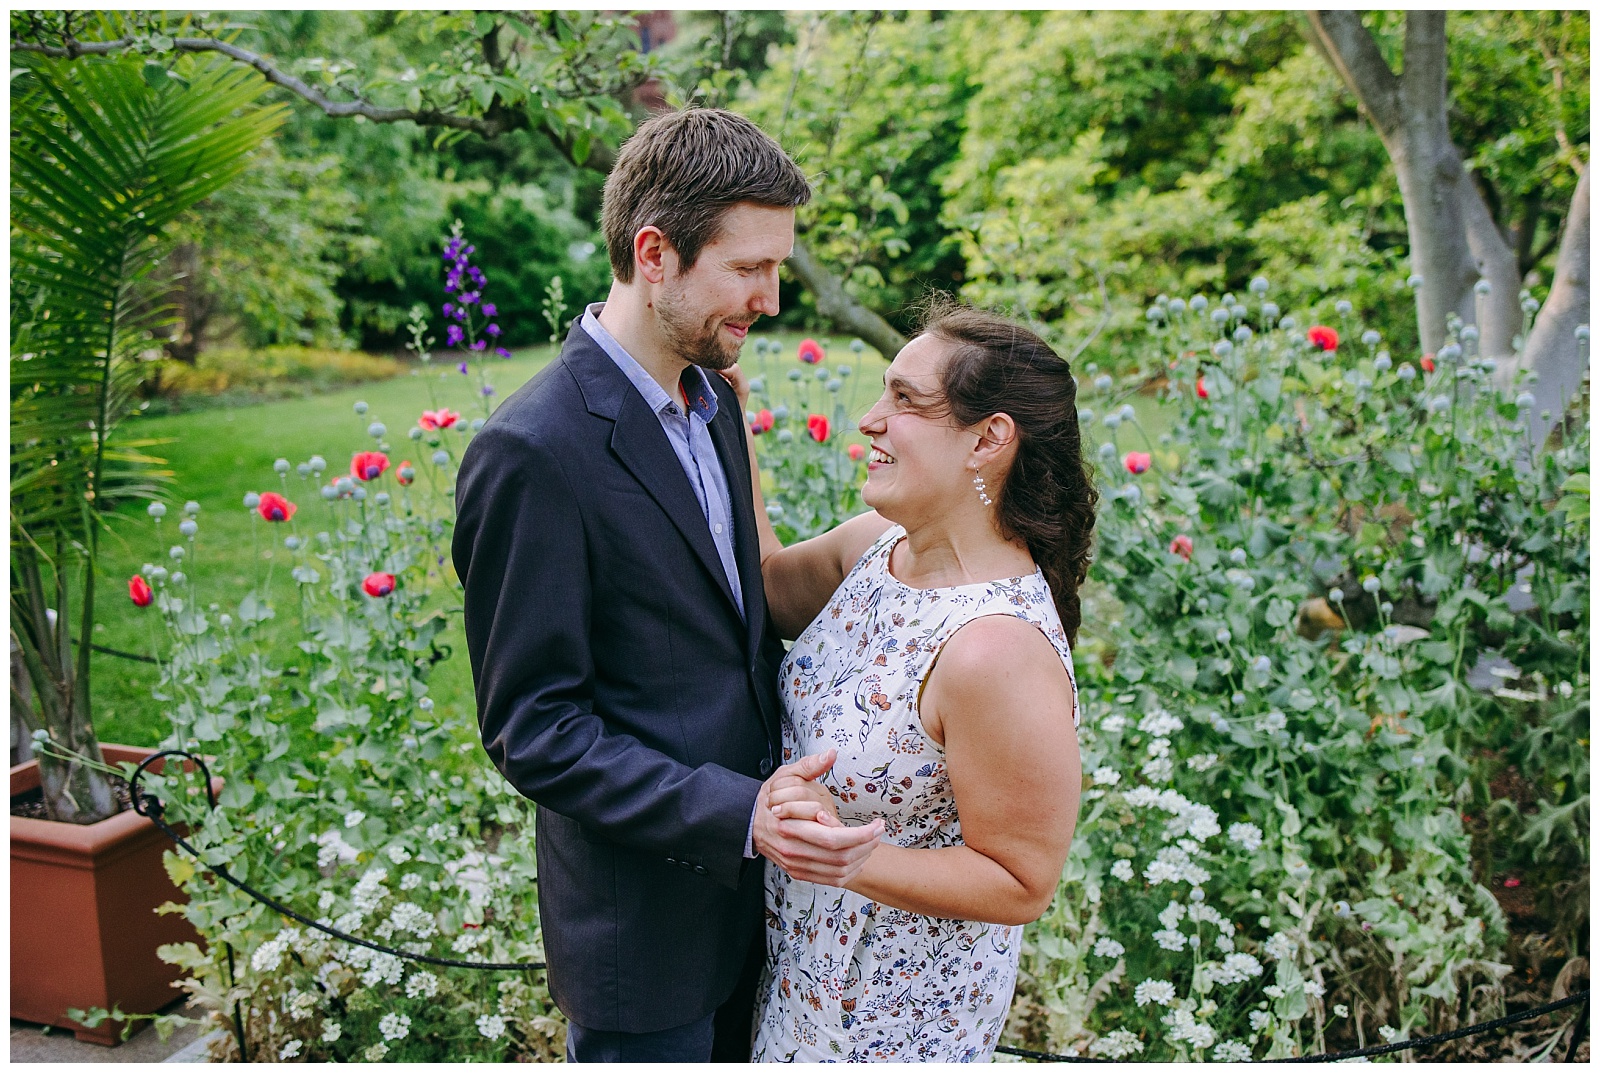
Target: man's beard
[{"x": 696, "y": 343}]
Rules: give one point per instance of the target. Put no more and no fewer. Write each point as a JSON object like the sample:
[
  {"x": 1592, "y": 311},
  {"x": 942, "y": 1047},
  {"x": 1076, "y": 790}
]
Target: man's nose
[{"x": 765, "y": 298}]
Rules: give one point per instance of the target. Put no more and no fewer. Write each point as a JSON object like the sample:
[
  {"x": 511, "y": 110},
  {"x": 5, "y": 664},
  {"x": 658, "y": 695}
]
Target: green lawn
[{"x": 217, "y": 455}]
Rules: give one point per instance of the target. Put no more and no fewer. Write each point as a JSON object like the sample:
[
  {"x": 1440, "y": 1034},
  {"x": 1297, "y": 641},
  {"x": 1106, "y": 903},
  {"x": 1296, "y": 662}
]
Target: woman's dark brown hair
[{"x": 1048, "y": 498}]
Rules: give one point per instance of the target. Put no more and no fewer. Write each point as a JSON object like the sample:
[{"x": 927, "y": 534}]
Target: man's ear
[{"x": 650, "y": 251}]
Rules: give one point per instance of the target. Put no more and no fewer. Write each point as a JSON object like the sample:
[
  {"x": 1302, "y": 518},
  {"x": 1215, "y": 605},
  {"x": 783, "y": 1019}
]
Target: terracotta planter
[{"x": 84, "y": 931}]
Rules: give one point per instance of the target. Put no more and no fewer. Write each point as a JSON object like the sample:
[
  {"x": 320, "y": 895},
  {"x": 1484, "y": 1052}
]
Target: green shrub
[{"x": 273, "y": 372}]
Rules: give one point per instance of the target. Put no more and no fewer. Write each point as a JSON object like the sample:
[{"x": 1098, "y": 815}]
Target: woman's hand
[
  {"x": 740, "y": 383},
  {"x": 793, "y": 798}
]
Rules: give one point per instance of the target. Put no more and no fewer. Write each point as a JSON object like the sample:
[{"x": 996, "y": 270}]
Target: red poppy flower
[
  {"x": 810, "y": 351},
  {"x": 139, "y": 591},
  {"x": 405, "y": 474},
  {"x": 1323, "y": 337},
  {"x": 1200, "y": 387},
  {"x": 1513, "y": 882},
  {"x": 763, "y": 422},
  {"x": 433, "y": 420},
  {"x": 857, "y": 452},
  {"x": 1427, "y": 363},
  {"x": 817, "y": 425},
  {"x": 378, "y": 584},
  {"x": 1181, "y": 545},
  {"x": 275, "y": 508},
  {"x": 1136, "y": 461},
  {"x": 368, "y": 465}
]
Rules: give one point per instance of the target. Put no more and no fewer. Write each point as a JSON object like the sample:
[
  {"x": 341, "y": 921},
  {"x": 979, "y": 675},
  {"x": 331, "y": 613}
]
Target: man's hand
[
  {"x": 816, "y": 850},
  {"x": 740, "y": 383}
]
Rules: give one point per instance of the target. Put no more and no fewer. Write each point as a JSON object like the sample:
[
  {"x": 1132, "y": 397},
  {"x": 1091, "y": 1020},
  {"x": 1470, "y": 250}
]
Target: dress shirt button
[
  {"x": 718, "y": 528},
  {"x": 766, "y": 768}
]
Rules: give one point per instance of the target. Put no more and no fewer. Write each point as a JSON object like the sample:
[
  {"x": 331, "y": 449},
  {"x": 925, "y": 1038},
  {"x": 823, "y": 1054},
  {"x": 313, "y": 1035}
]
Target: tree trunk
[
  {"x": 1453, "y": 235},
  {"x": 843, "y": 311},
  {"x": 1553, "y": 349}
]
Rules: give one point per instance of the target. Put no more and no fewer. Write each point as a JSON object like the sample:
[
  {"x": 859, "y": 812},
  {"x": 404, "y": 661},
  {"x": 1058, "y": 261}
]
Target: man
[{"x": 624, "y": 661}]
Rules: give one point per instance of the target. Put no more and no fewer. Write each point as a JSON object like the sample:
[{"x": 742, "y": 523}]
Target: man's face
[{"x": 706, "y": 312}]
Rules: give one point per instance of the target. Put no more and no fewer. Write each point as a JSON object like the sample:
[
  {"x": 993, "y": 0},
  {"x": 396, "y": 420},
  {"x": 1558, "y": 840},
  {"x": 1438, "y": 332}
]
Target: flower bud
[
  {"x": 1175, "y": 306},
  {"x": 1224, "y": 635},
  {"x": 441, "y": 457},
  {"x": 1127, "y": 413},
  {"x": 1198, "y": 303},
  {"x": 1113, "y": 421},
  {"x": 844, "y": 371},
  {"x": 1370, "y": 337},
  {"x": 785, "y": 436},
  {"x": 1085, "y": 415},
  {"x": 1259, "y": 285},
  {"x": 774, "y": 510},
  {"x": 281, "y": 466},
  {"x": 317, "y": 463},
  {"x": 1288, "y": 324},
  {"x": 1221, "y": 348},
  {"x": 188, "y": 527},
  {"x": 1581, "y": 333},
  {"x": 1242, "y": 334},
  {"x": 1262, "y": 665},
  {"x": 1270, "y": 310},
  {"x": 376, "y": 430},
  {"x": 360, "y": 494},
  {"x": 835, "y": 384},
  {"x": 1469, "y": 334},
  {"x": 1449, "y": 352},
  {"x": 176, "y": 552},
  {"x": 330, "y": 492},
  {"x": 1481, "y": 287},
  {"x": 477, "y": 423},
  {"x": 381, "y": 499},
  {"x": 1525, "y": 401},
  {"x": 1342, "y": 307},
  {"x": 1108, "y": 451},
  {"x": 426, "y": 704},
  {"x": 251, "y": 501},
  {"x": 1219, "y": 316},
  {"x": 191, "y": 508},
  {"x": 1238, "y": 700},
  {"x": 291, "y": 542},
  {"x": 225, "y": 621},
  {"x": 1413, "y": 281},
  {"x": 361, "y": 408},
  {"x": 156, "y": 510},
  {"x": 303, "y": 469},
  {"x": 1238, "y": 556},
  {"x": 1370, "y": 584},
  {"x": 857, "y": 346},
  {"x": 179, "y": 577},
  {"x": 157, "y": 573},
  {"x": 1382, "y": 362},
  {"x": 1406, "y": 372},
  {"x": 1336, "y": 596},
  {"x": 1102, "y": 382}
]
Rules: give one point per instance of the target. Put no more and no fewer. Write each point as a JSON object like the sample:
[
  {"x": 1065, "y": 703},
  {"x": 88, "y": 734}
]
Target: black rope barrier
[{"x": 152, "y": 808}]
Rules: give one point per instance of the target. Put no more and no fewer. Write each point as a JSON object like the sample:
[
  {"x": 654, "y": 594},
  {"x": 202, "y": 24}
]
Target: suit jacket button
[
  {"x": 672, "y": 860},
  {"x": 766, "y": 768},
  {"x": 699, "y": 869}
]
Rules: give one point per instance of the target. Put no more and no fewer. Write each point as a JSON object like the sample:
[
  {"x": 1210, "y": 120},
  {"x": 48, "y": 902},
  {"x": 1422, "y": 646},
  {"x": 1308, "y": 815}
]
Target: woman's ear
[{"x": 997, "y": 440}]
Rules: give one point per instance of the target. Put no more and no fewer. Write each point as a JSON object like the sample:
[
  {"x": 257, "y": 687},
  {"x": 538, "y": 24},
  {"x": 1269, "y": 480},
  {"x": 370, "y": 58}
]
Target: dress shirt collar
[{"x": 696, "y": 385}]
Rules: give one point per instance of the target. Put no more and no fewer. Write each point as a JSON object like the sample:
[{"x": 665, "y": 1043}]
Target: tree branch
[
  {"x": 833, "y": 302},
  {"x": 1355, "y": 57},
  {"x": 842, "y": 310}
]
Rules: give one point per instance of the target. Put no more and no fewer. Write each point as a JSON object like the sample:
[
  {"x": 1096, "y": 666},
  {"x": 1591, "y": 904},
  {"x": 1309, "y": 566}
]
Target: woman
[{"x": 933, "y": 658}]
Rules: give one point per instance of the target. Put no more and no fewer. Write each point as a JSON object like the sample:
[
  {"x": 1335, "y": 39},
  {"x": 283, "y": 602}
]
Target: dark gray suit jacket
[{"x": 619, "y": 689}]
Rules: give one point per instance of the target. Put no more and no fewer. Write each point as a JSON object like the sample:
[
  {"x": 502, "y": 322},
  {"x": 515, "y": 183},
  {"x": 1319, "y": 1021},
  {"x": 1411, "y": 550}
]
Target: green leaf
[{"x": 155, "y": 74}]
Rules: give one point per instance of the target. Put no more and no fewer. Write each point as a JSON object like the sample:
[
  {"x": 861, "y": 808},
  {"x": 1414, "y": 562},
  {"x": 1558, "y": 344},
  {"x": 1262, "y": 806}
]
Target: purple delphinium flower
[
  {"x": 453, "y": 335},
  {"x": 468, "y": 298},
  {"x": 489, "y": 309},
  {"x": 502, "y": 351},
  {"x": 462, "y": 368},
  {"x": 449, "y": 308},
  {"x": 488, "y": 389},
  {"x": 480, "y": 344},
  {"x": 493, "y": 329}
]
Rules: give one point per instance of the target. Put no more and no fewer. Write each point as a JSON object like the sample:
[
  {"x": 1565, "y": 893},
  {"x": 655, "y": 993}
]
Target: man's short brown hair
[{"x": 681, "y": 171}]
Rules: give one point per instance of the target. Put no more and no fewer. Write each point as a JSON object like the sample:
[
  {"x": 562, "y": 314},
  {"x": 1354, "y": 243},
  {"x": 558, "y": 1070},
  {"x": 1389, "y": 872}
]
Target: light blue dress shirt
[{"x": 690, "y": 435}]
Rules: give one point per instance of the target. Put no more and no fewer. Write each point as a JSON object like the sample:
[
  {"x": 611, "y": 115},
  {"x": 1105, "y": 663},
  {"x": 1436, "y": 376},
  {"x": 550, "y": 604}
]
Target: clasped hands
[{"x": 797, "y": 826}]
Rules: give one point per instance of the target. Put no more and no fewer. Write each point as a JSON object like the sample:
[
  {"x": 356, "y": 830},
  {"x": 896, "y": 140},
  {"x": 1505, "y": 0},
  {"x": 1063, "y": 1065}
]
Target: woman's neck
[{"x": 960, "y": 551}]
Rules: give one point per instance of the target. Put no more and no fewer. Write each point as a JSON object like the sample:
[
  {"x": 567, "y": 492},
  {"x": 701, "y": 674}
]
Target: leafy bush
[
  {"x": 1282, "y": 720},
  {"x": 272, "y": 372}
]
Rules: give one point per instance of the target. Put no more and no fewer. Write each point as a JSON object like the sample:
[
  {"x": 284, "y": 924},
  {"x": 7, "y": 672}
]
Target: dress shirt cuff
[{"x": 750, "y": 835}]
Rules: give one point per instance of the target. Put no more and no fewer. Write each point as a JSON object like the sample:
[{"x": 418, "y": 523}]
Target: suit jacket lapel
[{"x": 728, "y": 438}]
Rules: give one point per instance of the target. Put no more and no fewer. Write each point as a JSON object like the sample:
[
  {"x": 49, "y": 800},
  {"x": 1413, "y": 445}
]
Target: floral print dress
[{"x": 848, "y": 979}]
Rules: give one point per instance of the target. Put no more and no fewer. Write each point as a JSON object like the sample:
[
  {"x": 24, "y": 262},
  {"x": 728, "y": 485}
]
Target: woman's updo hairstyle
[{"x": 1048, "y": 498}]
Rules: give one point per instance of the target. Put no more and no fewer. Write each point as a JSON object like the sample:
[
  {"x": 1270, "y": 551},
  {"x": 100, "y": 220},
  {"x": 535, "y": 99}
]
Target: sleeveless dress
[{"x": 849, "y": 979}]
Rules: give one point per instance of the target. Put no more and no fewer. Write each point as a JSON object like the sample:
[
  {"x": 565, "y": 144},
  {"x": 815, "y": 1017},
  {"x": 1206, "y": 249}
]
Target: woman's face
[{"x": 920, "y": 465}]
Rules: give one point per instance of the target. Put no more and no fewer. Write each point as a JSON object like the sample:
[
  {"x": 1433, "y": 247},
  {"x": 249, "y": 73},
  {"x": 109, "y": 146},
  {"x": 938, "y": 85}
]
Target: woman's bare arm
[{"x": 1001, "y": 701}]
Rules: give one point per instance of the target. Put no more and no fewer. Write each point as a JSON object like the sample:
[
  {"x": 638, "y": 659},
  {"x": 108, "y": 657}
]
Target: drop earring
[{"x": 983, "y": 494}]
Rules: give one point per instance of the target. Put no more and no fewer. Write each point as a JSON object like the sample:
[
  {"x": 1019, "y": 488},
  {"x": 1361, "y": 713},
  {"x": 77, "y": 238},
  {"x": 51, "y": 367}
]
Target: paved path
[{"x": 34, "y": 1043}]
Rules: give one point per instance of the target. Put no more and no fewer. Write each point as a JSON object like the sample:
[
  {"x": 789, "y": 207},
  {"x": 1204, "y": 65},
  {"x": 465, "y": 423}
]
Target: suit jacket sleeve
[{"x": 520, "y": 552}]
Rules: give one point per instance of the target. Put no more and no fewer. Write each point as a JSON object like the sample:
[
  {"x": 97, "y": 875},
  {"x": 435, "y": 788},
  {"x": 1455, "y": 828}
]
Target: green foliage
[
  {"x": 1283, "y": 720},
  {"x": 238, "y": 375},
  {"x": 105, "y": 154}
]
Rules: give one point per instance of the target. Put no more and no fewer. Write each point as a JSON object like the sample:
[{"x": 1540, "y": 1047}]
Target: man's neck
[{"x": 631, "y": 320}]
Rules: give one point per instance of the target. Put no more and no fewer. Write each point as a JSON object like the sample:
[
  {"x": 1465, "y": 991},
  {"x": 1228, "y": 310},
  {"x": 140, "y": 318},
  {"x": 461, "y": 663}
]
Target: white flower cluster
[
  {"x": 441, "y": 832},
  {"x": 333, "y": 847},
  {"x": 1236, "y": 969},
  {"x": 1247, "y": 835},
  {"x": 1279, "y": 947},
  {"x": 397, "y": 853},
  {"x": 1173, "y": 865},
  {"x": 1113, "y": 724},
  {"x": 491, "y": 1026},
  {"x": 1185, "y": 1029},
  {"x": 472, "y": 874},
  {"x": 394, "y": 1026},
  {"x": 331, "y": 1031},
  {"x": 1231, "y": 1050},
  {"x": 1108, "y": 948},
  {"x": 1314, "y": 989},
  {"x": 299, "y": 1004},
  {"x": 380, "y": 967},
  {"x": 289, "y": 1050},
  {"x": 376, "y": 1052},
  {"x": 1170, "y": 939},
  {"x": 422, "y": 984},
  {"x": 414, "y": 920},
  {"x": 1161, "y": 723},
  {"x": 1157, "y": 769},
  {"x": 1161, "y": 992},
  {"x": 370, "y": 890},
  {"x": 1122, "y": 869},
  {"x": 1118, "y": 1044},
  {"x": 1259, "y": 1020},
  {"x": 1105, "y": 776},
  {"x": 465, "y": 942},
  {"x": 270, "y": 953},
  {"x": 1203, "y": 762}
]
